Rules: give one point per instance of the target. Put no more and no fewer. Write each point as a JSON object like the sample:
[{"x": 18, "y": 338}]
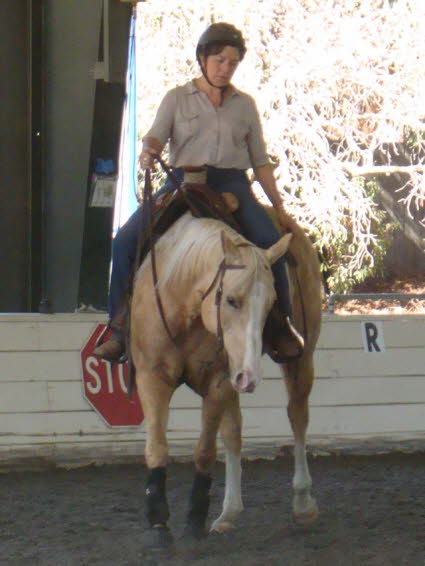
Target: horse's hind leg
[
  {"x": 230, "y": 430},
  {"x": 155, "y": 395},
  {"x": 299, "y": 380}
]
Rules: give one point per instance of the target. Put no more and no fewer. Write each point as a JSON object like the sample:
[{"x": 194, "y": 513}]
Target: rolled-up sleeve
[
  {"x": 162, "y": 126},
  {"x": 255, "y": 140}
]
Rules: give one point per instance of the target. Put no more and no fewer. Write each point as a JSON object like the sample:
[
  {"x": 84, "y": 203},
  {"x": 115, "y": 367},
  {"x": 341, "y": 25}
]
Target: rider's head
[{"x": 216, "y": 40}]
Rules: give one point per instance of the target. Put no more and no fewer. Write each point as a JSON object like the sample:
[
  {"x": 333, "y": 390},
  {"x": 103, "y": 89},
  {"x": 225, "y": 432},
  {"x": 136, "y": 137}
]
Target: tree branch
[{"x": 357, "y": 171}]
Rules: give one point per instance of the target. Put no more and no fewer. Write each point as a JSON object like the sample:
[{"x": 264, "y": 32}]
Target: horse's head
[{"x": 238, "y": 304}]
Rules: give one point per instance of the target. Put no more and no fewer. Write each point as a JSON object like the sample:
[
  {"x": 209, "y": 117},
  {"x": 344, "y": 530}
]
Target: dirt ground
[
  {"x": 372, "y": 508},
  {"x": 372, "y": 514}
]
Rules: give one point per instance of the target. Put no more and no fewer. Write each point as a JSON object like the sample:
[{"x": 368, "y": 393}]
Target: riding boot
[
  {"x": 113, "y": 349},
  {"x": 282, "y": 341}
]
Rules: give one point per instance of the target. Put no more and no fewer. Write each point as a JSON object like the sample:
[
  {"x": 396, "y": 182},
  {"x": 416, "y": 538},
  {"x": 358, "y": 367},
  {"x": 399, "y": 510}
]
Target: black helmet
[{"x": 222, "y": 33}]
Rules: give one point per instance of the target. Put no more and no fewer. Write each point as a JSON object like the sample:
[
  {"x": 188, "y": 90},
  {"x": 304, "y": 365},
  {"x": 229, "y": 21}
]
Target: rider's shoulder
[{"x": 183, "y": 89}]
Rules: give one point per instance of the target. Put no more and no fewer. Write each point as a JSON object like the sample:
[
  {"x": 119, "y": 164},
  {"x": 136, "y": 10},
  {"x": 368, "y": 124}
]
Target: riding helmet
[{"x": 222, "y": 33}]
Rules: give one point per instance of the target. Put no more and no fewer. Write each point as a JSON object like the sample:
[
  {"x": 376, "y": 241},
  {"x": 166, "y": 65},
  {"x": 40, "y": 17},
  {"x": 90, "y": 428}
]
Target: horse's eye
[{"x": 233, "y": 302}]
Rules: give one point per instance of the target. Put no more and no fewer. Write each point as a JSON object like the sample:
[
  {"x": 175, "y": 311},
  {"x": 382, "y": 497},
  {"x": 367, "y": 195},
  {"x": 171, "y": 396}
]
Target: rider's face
[{"x": 221, "y": 67}]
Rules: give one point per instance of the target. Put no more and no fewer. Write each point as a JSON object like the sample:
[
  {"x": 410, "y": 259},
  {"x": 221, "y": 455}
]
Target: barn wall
[
  {"x": 72, "y": 32},
  {"x": 357, "y": 395},
  {"x": 50, "y": 114},
  {"x": 14, "y": 157}
]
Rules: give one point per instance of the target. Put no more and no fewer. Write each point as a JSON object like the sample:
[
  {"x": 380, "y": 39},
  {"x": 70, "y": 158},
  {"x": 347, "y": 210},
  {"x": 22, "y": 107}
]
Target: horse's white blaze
[
  {"x": 232, "y": 503},
  {"x": 251, "y": 365}
]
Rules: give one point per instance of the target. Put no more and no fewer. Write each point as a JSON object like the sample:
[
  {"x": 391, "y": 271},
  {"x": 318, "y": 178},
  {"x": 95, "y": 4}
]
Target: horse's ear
[
  {"x": 230, "y": 250},
  {"x": 278, "y": 249}
]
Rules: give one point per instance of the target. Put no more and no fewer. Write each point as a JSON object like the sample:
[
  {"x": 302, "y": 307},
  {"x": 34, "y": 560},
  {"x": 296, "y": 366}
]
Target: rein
[
  {"x": 177, "y": 186},
  {"x": 293, "y": 264},
  {"x": 147, "y": 198},
  {"x": 303, "y": 310}
]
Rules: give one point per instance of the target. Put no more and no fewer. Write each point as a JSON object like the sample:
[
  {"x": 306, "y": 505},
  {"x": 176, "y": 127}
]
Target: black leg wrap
[
  {"x": 156, "y": 501},
  {"x": 198, "y": 505}
]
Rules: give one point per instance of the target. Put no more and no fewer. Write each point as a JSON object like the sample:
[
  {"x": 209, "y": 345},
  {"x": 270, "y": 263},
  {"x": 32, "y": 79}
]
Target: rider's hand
[
  {"x": 282, "y": 218},
  {"x": 146, "y": 159}
]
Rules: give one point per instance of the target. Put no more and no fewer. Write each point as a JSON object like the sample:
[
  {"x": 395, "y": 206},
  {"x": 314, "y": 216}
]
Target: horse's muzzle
[{"x": 244, "y": 381}]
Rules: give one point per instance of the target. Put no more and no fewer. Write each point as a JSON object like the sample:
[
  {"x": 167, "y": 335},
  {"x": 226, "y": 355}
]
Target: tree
[{"x": 340, "y": 87}]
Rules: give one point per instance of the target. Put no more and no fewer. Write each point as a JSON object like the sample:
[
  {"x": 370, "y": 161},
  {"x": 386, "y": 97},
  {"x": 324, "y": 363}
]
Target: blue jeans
[{"x": 251, "y": 216}]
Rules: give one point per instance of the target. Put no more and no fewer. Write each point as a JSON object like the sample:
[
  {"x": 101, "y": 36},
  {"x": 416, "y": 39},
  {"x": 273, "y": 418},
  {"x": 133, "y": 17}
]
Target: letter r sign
[{"x": 373, "y": 337}]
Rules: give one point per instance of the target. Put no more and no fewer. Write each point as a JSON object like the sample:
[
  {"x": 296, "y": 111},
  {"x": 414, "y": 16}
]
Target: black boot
[
  {"x": 114, "y": 348},
  {"x": 158, "y": 536},
  {"x": 198, "y": 507}
]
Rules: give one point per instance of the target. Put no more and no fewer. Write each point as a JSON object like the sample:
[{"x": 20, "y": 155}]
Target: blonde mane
[{"x": 195, "y": 243}]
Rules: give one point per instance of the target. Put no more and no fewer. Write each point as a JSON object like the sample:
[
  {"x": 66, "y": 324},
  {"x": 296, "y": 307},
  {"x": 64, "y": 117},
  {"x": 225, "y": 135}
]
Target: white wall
[{"x": 357, "y": 395}]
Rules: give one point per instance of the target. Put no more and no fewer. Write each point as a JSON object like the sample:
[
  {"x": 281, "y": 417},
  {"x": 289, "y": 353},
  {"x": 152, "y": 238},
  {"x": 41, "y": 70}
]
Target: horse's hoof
[
  {"x": 222, "y": 527},
  {"x": 306, "y": 518},
  {"x": 158, "y": 538}
]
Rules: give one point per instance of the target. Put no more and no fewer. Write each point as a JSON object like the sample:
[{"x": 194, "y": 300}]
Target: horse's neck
[
  {"x": 185, "y": 272},
  {"x": 179, "y": 293}
]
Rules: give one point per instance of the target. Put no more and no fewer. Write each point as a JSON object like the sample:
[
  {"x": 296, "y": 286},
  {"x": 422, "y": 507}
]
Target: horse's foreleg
[
  {"x": 204, "y": 457},
  {"x": 230, "y": 430},
  {"x": 299, "y": 380},
  {"x": 155, "y": 397}
]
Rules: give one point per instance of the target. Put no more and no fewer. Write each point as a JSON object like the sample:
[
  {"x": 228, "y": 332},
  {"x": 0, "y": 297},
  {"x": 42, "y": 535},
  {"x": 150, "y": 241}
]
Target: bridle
[{"x": 218, "y": 279}]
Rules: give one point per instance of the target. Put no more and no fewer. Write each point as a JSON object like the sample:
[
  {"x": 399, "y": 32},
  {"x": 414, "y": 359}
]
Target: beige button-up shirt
[{"x": 229, "y": 136}]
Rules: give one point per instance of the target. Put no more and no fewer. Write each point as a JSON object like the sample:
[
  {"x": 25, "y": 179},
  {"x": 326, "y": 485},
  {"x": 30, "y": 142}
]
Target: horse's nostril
[{"x": 243, "y": 382}]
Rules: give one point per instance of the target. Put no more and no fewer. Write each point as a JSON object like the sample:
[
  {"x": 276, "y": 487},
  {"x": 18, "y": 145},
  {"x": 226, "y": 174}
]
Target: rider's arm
[
  {"x": 160, "y": 131},
  {"x": 265, "y": 176},
  {"x": 263, "y": 169}
]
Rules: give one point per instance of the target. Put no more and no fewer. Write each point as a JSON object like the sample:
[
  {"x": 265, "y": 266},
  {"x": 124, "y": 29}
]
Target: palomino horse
[{"x": 216, "y": 288}]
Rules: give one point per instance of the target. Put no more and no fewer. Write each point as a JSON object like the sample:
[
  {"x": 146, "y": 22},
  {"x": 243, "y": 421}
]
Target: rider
[{"x": 208, "y": 122}]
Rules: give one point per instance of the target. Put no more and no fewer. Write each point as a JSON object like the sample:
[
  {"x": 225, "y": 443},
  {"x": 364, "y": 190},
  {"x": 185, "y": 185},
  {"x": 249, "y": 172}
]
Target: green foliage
[{"x": 340, "y": 278}]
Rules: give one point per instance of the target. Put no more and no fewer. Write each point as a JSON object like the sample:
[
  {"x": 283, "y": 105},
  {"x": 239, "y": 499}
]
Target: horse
[{"x": 216, "y": 291}]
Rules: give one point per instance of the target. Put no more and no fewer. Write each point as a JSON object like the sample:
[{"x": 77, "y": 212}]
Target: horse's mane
[{"x": 193, "y": 243}]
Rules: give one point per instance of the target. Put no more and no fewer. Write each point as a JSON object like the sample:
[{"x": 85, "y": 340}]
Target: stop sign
[{"x": 105, "y": 387}]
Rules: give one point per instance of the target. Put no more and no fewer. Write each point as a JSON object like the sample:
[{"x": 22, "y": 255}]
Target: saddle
[{"x": 168, "y": 208}]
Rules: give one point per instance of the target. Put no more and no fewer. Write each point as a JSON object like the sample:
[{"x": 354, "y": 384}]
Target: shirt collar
[{"x": 190, "y": 88}]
